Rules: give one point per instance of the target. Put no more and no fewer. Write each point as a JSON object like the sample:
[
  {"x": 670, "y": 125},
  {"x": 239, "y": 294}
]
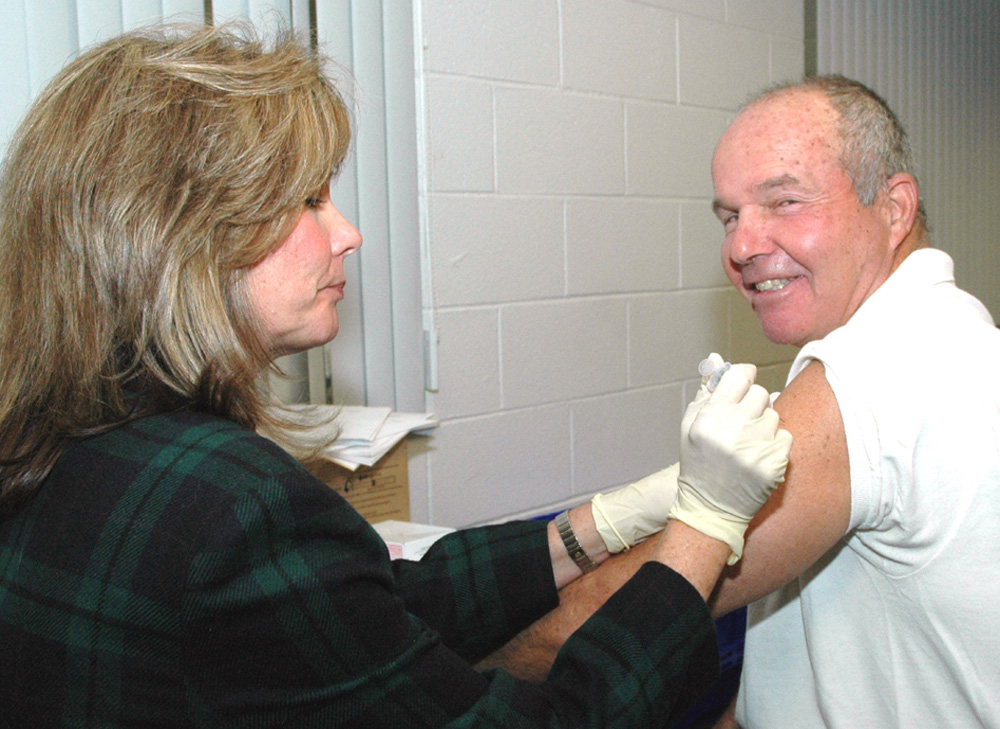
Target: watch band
[{"x": 576, "y": 552}]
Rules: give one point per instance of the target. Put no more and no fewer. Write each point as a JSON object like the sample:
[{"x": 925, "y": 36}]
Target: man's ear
[{"x": 903, "y": 200}]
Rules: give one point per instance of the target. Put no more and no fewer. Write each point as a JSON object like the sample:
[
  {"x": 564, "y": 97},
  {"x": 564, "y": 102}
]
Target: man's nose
[{"x": 750, "y": 238}]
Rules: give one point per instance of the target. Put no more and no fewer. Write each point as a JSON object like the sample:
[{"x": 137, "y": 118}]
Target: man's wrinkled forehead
[{"x": 788, "y": 122}]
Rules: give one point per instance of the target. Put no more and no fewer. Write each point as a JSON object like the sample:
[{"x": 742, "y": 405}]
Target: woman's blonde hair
[{"x": 145, "y": 180}]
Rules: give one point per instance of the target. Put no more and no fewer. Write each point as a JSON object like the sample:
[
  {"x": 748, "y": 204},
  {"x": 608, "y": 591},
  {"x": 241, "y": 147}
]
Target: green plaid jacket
[{"x": 181, "y": 571}]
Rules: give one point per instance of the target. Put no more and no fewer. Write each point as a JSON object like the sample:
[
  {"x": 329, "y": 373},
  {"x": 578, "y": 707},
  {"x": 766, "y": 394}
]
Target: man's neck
[{"x": 916, "y": 239}]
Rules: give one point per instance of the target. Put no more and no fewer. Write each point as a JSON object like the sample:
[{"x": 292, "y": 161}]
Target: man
[{"x": 871, "y": 568}]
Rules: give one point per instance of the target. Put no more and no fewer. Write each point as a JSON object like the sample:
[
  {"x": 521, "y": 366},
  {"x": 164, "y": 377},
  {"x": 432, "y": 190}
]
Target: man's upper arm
[
  {"x": 810, "y": 511},
  {"x": 802, "y": 520}
]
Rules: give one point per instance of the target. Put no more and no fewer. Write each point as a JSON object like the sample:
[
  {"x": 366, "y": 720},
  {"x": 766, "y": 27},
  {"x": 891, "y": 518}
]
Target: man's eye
[{"x": 729, "y": 221}]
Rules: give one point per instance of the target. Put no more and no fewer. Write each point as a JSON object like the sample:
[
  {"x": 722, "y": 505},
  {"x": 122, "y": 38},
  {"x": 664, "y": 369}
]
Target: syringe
[{"x": 711, "y": 369}]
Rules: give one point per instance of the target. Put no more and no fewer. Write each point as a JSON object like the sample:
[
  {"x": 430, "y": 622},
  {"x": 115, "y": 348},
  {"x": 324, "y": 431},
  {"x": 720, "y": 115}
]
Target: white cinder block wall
[{"x": 574, "y": 259}]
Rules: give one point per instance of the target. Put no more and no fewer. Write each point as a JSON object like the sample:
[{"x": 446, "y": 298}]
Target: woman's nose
[{"x": 344, "y": 237}]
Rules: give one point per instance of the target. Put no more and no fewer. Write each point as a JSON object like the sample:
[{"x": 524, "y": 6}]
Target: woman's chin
[{"x": 296, "y": 345}]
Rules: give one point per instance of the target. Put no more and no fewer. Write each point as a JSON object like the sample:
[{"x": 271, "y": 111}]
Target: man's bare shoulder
[{"x": 810, "y": 511}]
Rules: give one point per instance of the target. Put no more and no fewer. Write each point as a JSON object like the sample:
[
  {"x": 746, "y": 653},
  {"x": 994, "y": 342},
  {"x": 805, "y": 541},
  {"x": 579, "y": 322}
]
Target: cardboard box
[{"x": 378, "y": 492}]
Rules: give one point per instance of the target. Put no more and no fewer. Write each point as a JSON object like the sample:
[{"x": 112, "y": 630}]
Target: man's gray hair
[{"x": 875, "y": 146}]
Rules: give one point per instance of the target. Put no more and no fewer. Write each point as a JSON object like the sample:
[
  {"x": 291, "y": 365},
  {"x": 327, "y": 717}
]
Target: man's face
[{"x": 798, "y": 244}]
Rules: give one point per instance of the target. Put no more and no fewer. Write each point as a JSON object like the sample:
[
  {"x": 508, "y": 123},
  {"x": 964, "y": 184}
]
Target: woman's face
[{"x": 295, "y": 289}]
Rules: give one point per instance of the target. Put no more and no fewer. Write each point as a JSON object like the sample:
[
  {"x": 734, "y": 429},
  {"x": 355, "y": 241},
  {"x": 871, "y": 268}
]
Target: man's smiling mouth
[{"x": 772, "y": 284}]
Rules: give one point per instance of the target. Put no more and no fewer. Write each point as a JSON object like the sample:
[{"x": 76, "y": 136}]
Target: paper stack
[
  {"x": 409, "y": 541},
  {"x": 363, "y": 434}
]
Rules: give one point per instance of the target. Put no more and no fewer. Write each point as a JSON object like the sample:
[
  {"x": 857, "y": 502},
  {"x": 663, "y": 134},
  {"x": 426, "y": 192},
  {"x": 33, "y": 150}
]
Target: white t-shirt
[{"x": 899, "y": 624}]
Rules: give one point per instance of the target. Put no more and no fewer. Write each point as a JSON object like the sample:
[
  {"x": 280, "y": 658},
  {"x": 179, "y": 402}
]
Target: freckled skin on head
[{"x": 794, "y": 224}]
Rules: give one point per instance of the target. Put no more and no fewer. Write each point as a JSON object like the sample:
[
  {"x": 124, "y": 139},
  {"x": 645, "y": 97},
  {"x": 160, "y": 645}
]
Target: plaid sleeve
[
  {"x": 302, "y": 588},
  {"x": 182, "y": 572},
  {"x": 651, "y": 649},
  {"x": 479, "y": 587}
]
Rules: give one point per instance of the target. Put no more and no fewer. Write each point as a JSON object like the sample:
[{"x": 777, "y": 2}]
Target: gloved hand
[
  {"x": 627, "y": 516},
  {"x": 733, "y": 455},
  {"x": 630, "y": 514}
]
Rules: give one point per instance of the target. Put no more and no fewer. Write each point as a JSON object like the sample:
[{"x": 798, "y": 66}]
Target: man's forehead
[
  {"x": 806, "y": 110},
  {"x": 790, "y": 129}
]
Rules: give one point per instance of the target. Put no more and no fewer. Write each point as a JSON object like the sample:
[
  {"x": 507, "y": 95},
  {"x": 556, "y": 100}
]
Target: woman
[{"x": 166, "y": 231}]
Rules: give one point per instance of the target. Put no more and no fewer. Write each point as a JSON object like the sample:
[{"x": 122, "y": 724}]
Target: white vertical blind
[
  {"x": 376, "y": 358},
  {"x": 334, "y": 29},
  {"x": 938, "y": 66},
  {"x": 15, "y": 81},
  {"x": 37, "y": 37},
  {"x": 402, "y": 206},
  {"x": 372, "y": 183}
]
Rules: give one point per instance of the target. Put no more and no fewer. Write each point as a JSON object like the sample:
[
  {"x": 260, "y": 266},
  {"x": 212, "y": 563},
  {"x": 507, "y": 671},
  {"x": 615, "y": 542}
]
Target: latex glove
[
  {"x": 733, "y": 455},
  {"x": 628, "y": 515}
]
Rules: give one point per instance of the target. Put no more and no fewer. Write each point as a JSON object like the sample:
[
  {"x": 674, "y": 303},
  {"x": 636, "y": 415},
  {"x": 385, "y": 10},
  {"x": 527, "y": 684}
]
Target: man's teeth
[{"x": 773, "y": 284}]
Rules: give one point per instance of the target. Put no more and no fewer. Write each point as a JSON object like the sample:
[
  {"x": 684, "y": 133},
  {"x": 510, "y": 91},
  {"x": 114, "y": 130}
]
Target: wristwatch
[{"x": 569, "y": 540}]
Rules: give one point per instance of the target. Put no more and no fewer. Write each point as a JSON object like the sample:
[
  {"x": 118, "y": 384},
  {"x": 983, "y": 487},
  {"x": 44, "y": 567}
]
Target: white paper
[{"x": 365, "y": 434}]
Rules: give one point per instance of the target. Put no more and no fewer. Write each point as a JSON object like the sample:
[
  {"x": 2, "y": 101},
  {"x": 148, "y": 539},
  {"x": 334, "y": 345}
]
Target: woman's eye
[{"x": 313, "y": 202}]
